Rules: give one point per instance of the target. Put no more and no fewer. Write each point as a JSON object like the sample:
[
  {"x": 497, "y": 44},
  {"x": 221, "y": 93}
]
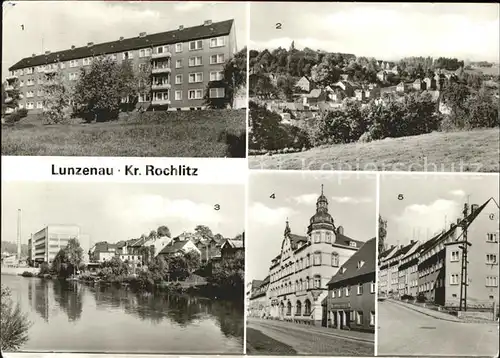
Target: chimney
[
  {"x": 142, "y": 34},
  {"x": 458, "y": 221},
  {"x": 72, "y": 47},
  {"x": 121, "y": 38},
  {"x": 47, "y": 52},
  {"x": 90, "y": 44},
  {"x": 181, "y": 27},
  {"x": 207, "y": 23},
  {"x": 474, "y": 207},
  {"x": 33, "y": 54},
  {"x": 412, "y": 241}
]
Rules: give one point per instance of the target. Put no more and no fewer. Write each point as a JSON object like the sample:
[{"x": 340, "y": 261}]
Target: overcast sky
[
  {"x": 381, "y": 30},
  {"x": 429, "y": 201},
  {"x": 64, "y": 23},
  {"x": 352, "y": 204},
  {"x": 114, "y": 212}
]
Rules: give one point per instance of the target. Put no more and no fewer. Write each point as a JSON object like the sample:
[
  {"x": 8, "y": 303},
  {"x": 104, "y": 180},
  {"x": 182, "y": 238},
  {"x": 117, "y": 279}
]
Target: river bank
[{"x": 6, "y": 270}]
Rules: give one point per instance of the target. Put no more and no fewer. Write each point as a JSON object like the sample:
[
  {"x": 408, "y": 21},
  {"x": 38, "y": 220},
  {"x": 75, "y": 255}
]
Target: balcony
[
  {"x": 161, "y": 70},
  {"x": 49, "y": 71},
  {"x": 161, "y": 55},
  {"x": 11, "y": 77},
  {"x": 9, "y": 88},
  {"x": 160, "y": 102},
  {"x": 160, "y": 86},
  {"x": 8, "y": 100}
]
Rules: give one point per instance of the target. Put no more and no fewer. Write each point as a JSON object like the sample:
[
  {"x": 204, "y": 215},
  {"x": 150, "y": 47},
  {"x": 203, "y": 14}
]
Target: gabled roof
[
  {"x": 256, "y": 284},
  {"x": 387, "y": 252},
  {"x": 350, "y": 269},
  {"x": 342, "y": 239},
  {"x": 173, "y": 247},
  {"x": 235, "y": 244},
  {"x": 295, "y": 240},
  {"x": 163, "y": 38},
  {"x": 104, "y": 246}
]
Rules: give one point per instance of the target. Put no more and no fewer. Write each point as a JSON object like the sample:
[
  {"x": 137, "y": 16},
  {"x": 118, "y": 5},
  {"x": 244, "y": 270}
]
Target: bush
[
  {"x": 365, "y": 138},
  {"x": 421, "y": 298},
  {"x": 13, "y": 118},
  {"x": 27, "y": 274},
  {"x": 14, "y": 324},
  {"x": 407, "y": 297}
]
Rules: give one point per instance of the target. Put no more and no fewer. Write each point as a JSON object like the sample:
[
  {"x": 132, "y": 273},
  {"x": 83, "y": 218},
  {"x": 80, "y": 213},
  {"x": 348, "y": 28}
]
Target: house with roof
[
  {"x": 408, "y": 268},
  {"x": 300, "y": 272},
  {"x": 305, "y": 84},
  {"x": 335, "y": 94},
  {"x": 419, "y": 85},
  {"x": 233, "y": 248},
  {"x": 440, "y": 259},
  {"x": 403, "y": 87},
  {"x": 179, "y": 248},
  {"x": 383, "y": 271},
  {"x": 382, "y": 75},
  {"x": 347, "y": 86},
  {"x": 258, "y": 303},
  {"x": 312, "y": 98},
  {"x": 102, "y": 251},
  {"x": 360, "y": 95},
  {"x": 351, "y": 291}
]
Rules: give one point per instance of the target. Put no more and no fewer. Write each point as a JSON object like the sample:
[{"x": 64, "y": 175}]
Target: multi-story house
[
  {"x": 305, "y": 84},
  {"x": 408, "y": 267},
  {"x": 179, "y": 63},
  {"x": 258, "y": 303},
  {"x": 440, "y": 263},
  {"x": 383, "y": 272},
  {"x": 102, "y": 251},
  {"x": 351, "y": 291},
  {"x": 47, "y": 242},
  {"x": 300, "y": 272}
]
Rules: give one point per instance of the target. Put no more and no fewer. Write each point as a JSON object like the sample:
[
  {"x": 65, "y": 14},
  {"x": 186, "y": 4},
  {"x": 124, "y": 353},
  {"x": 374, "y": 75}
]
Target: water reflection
[{"x": 183, "y": 310}]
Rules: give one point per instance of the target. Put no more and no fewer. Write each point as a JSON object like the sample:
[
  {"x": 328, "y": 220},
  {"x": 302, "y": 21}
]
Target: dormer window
[
  {"x": 352, "y": 244},
  {"x": 360, "y": 264},
  {"x": 343, "y": 270}
]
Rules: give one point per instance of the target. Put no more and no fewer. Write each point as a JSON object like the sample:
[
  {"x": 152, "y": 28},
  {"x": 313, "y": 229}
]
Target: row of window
[
  {"x": 192, "y": 94},
  {"x": 300, "y": 285},
  {"x": 346, "y": 291},
  {"x": 146, "y": 52},
  {"x": 304, "y": 263},
  {"x": 428, "y": 270}
]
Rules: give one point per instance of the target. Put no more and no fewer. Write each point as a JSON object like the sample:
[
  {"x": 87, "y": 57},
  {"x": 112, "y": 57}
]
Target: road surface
[
  {"x": 316, "y": 340},
  {"x": 402, "y": 331}
]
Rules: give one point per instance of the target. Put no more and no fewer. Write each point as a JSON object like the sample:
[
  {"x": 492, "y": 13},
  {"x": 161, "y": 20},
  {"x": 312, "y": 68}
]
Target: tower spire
[
  {"x": 287, "y": 228},
  {"x": 321, "y": 189}
]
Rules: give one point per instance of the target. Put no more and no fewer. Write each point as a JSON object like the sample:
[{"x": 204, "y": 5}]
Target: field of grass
[
  {"x": 172, "y": 134},
  {"x": 260, "y": 344},
  {"x": 467, "y": 151}
]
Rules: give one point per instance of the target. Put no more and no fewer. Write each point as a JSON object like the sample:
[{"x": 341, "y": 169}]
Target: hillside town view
[
  {"x": 335, "y": 110},
  {"x": 316, "y": 295},
  {"x": 438, "y": 267},
  {"x": 119, "y": 87},
  {"x": 191, "y": 280}
]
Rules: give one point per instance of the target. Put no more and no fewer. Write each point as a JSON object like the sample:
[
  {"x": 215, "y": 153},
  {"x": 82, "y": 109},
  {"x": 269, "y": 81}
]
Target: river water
[{"x": 74, "y": 317}]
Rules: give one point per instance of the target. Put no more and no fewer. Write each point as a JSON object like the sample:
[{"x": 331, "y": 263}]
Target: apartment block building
[
  {"x": 180, "y": 64},
  {"x": 46, "y": 243}
]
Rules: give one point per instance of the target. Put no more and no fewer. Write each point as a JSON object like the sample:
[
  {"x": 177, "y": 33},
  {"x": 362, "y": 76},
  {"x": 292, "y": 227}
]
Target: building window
[
  {"x": 491, "y": 259},
  {"x": 178, "y": 47},
  {"x": 317, "y": 281},
  {"x": 161, "y": 96},
  {"x": 30, "y": 82},
  {"x": 335, "y": 259},
  {"x": 162, "y": 49},
  {"x": 178, "y": 63},
  {"x": 491, "y": 237},
  {"x": 73, "y": 63},
  {"x": 317, "y": 238},
  {"x": 317, "y": 258},
  {"x": 86, "y": 61},
  {"x": 73, "y": 76},
  {"x": 372, "y": 318},
  {"x": 217, "y": 42},
  {"x": 178, "y": 95},
  {"x": 372, "y": 287},
  {"x": 217, "y": 93},
  {"x": 195, "y": 94},
  {"x": 359, "y": 318},
  {"x": 298, "y": 308},
  {"x": 196, "y": 77},
  {"x": 347, "y": 291},
  {"x": 455, "y": 256},
  {"x": 39, "y": 93},
  {"x": 178, "y": 79},
  {"x": 216, "y": 75},
  {"x": 328, "y": 238},
  {"x": 308, "y": 260},
  {"x": 30, "y": 105},
  {"x": 195, "y": 45},
  {"x": 215, "y": 59},
  {"x": 352, "y": 244},
  {"x": 145, "y": 52},
  {"x": 195, "y": 61},
  {"x": 39, "y": 105},
  {"x": 29, "y": 71},
  {"x": 360, "y": 289},
  {"x": 492, "y": 281},
  {"x": 30, "y": 94},
  {"x": 454, "y": 278}
]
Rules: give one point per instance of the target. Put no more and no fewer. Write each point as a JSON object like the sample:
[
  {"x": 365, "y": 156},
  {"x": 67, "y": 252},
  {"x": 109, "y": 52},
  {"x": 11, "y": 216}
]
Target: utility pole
[{"x": 464, "y": 247}]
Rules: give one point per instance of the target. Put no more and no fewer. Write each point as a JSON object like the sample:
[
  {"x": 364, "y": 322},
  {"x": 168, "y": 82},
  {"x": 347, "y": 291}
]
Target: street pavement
[
  {"x": 316, "y": 340},
  {"x": 402, "y": 331}
]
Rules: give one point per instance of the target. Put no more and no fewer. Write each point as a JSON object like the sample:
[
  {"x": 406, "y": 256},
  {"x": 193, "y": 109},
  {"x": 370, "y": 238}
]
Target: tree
[
  {"x": 326, "y": 72},
  {"x": 11, "y": 96},
  {"x": 152, "y": 234},
  {"x": 75, "y": 254},
  {"x": 204, "y": 231},
  {"x": 68, "y": 259},
  {"x": 482, "y": 110},
  {"x": 455, "y": 95},
  {"x": 56, "y": 98},
  {"x": 14, "y": 324},
  {"x": 98, "y": 92},
  {"x": 382, "y": 233},
  {"x": 163, "y": 231}
]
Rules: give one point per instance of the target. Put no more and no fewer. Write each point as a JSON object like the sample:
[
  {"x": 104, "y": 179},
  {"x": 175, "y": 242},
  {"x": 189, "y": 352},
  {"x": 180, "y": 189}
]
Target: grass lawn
[
  {"x": 471, "y": 151},
  {"x": 260, "y": 344},
  {"x": 174, "y": 134}
]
